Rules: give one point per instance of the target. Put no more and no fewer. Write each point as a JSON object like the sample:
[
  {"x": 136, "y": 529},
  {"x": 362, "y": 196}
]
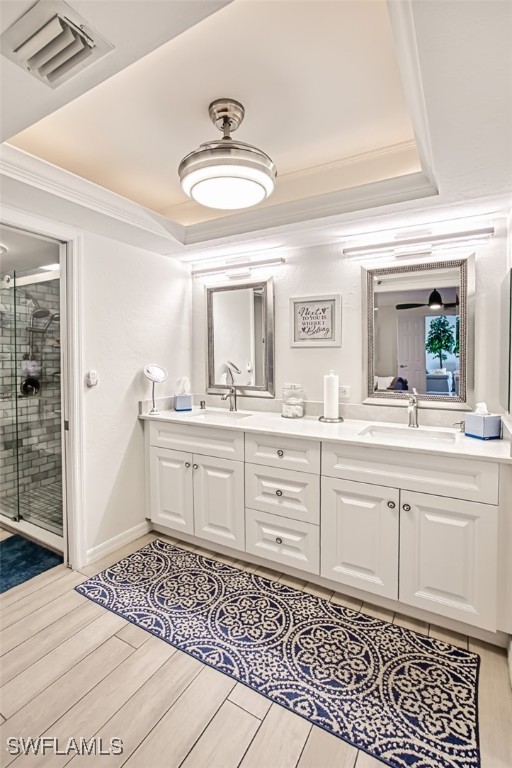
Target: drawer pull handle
[
  {"x": 196, "y": 466},
  {"x": 279, "y": 493},
  {"x": 406, "y": 507},
  {"x": 280, "y": 452},
  {"x": 187, "y": 464},
  {"x": 278, "y": 540},
  {"x": 391, "y": 504}
]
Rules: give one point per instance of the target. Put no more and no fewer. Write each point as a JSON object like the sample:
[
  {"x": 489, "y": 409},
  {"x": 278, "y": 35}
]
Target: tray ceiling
[{"x": 321, "y": 87}]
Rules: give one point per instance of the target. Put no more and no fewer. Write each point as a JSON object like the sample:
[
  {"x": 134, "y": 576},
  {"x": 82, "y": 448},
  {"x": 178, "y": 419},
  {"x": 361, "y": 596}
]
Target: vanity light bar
[
  {"x": 236, "y": 267},
  {"x": 390, "y": 247}
]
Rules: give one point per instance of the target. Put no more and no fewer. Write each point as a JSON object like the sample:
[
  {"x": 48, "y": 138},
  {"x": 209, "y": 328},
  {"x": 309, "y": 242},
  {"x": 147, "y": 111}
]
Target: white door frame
[{"x": 72, "y": 403}]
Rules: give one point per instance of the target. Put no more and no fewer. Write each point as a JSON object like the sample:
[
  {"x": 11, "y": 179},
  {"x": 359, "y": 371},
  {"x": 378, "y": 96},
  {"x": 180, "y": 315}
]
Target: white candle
[{"x": 331, "y": 409}]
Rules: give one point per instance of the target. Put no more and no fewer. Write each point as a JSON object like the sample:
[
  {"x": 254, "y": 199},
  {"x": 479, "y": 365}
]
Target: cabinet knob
[
  {"x": 406, "y": 507},
  {"x": 278, "y": 540},
  {"x": 279, "y": 493},
  {"x": 391, "y": 504},
  {"x": 196, "y": 466},
  {"x": 280, "y": 453},
  {"x": 187, "y": 464}
]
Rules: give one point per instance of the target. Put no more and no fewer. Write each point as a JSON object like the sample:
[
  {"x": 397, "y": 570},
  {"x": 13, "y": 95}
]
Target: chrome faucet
[
  {"x": 412, "y": 409},
  {"x": 232, "y": 397},
  {"x": 232, "y": 389}
]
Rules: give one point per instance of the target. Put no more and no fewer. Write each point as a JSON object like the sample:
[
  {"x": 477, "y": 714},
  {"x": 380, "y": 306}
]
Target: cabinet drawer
[
  {"x": 283, "y": 492},
  {"x": 288, "y": 452},
  {"x": 208, "y": 441},
  {"x": 283, "y": 541},
  {"x": 468, "y": 479}
]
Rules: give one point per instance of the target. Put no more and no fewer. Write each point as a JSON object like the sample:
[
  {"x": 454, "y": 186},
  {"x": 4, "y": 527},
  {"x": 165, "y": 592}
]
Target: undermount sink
[
  {"x": 408, "y": 434},
  {"x": 225, "y": 416}
]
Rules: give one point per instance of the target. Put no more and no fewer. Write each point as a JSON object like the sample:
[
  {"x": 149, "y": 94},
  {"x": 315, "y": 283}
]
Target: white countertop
[{"x": 377, "y": 434}]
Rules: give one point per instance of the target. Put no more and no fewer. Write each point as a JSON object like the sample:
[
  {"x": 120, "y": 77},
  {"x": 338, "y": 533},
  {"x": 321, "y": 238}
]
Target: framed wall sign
[{"x": 315, "y": 321}]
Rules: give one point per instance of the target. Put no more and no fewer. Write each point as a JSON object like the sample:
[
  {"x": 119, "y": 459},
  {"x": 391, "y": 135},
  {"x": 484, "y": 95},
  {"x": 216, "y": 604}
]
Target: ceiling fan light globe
[
  {"x": 227, "y": 187},
  {"x": 227, "y": 174}
]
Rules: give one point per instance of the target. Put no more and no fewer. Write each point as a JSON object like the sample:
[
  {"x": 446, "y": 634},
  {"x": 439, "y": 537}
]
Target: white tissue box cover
[
  {"x": 182, "y": 402},
  {"x": 485, "y": 427}
]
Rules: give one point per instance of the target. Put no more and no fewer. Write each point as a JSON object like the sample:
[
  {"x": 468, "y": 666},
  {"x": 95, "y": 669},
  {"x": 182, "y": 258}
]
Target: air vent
[{"x": 53, "y": 42}]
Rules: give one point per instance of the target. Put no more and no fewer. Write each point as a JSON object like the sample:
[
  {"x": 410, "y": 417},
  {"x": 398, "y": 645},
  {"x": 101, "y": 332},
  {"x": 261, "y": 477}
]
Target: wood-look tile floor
[{"x": 71, "y": 669}]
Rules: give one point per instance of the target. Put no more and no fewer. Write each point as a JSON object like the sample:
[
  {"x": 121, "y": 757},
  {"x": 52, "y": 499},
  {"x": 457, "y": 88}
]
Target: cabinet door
[
  {"x": 359, "y": 525},
  {"x": 171, "y": 489},
  {"x": 219, "y": 501},
  {"x": 448, "y": 554}
]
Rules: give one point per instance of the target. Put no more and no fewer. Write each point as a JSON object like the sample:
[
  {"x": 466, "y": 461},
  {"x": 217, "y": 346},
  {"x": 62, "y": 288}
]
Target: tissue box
[
  {"x": 486, "y": 427},
  {"x": 182, "y": 402}
]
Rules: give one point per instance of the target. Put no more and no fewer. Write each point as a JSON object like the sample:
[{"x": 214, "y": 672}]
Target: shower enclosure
[{"x": 31, "y": 488}]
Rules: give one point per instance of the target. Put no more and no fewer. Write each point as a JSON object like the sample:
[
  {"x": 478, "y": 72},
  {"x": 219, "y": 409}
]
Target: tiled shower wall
[{"x": 30, "y": 444}]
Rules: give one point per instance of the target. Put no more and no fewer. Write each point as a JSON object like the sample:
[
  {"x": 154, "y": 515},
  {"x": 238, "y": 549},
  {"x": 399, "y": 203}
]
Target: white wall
[
  {"x": 136, "y": 310},
  {"x": 321, "y": 270}
]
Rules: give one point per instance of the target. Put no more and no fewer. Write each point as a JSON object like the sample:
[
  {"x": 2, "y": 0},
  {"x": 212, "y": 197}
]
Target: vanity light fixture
[
  {"x": 237, "y": 268},
  {"x": 417, "y": 245},
  {"x": 227, "y": 174}
]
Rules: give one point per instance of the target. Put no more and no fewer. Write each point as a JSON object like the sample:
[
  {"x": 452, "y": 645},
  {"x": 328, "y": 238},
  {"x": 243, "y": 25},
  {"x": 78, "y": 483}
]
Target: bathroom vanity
[{"x": 416, "y": 518}]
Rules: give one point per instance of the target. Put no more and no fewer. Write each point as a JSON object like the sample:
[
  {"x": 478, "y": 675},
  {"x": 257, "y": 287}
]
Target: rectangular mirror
[
  {"x": 241, "y": 331},
  {"x": 417, "y": 331}
]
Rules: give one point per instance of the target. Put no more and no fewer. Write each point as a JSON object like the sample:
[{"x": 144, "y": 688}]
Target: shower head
[
  {"x": 54, "y": 316},
  {"x": 39, "y": 313}
]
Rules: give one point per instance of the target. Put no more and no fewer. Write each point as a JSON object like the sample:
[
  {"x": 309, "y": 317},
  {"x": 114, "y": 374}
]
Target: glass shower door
[
  {"x": 9, "y": 497},
  {"x": 38, "y": 412}
]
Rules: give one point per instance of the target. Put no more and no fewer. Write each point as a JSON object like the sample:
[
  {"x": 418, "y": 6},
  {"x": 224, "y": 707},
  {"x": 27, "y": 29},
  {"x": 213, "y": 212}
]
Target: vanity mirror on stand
[
  {"x": 419, "y": 331},
  {"x": 241, "y": 338}
]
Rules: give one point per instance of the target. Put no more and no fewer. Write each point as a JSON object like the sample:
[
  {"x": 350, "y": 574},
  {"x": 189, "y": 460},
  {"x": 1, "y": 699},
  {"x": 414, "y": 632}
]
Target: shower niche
[{"x": 31, "y": 495}]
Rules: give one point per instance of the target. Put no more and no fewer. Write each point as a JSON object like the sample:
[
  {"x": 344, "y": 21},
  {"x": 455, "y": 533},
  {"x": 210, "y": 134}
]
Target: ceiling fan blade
[
  {"x": 409, "y": 306},
  {"x": 454, "y": 304}
]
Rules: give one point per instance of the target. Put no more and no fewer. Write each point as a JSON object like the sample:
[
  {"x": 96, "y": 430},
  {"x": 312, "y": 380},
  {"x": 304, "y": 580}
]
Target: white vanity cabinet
[
  {"x": 196, "y": 493},
  {"x": 427, "y": 550},
  {"x": 416, "y": 528}
]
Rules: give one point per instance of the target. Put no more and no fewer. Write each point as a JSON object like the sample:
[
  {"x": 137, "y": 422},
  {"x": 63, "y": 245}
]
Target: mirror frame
[
  {"x": 463, "y": 265},
  {"x": 267, "y": 388}
]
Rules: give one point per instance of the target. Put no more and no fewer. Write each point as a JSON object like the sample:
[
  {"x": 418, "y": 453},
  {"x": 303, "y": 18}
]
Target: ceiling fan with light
[{"x": 435, "y": 301}]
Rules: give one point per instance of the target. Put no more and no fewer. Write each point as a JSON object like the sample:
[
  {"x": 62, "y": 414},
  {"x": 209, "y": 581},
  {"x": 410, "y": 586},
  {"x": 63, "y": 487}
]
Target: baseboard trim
[{"x": 96, "y": 553}]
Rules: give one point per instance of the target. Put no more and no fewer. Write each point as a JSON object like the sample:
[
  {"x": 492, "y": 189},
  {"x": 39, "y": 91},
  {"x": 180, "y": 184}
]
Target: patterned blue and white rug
[{"x": 405, "y": 698}]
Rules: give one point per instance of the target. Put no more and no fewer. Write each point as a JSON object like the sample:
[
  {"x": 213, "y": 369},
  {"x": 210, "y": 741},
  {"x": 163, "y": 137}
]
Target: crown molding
[
  {"x": 401, "y": 17},
  {"x": 46, "y": 177},
  {"x": 368, "y": 196}
]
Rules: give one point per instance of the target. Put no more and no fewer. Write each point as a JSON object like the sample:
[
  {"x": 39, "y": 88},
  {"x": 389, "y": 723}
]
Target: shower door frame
[{"x": 72, "y": 433}]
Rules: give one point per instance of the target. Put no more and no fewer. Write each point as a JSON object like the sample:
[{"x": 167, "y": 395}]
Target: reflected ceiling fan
[{"x": 434, "y": 302}]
